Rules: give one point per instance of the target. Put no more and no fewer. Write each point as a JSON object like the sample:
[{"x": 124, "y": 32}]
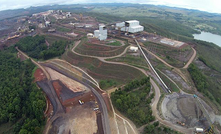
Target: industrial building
[
  {"x": 68, "y": 15},
  {"x": 101, "y": 34},
  {"x": 132, "y": 26},
  {"x": 133, "y": 49},
  {"x": 47, "y": 23}
]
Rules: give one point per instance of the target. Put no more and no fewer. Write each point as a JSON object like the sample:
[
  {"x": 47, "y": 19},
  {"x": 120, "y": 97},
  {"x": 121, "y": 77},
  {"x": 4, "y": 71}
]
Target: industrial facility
[
  {"x": 101, "y": 34},
  {"x": 132, "y": 26}
]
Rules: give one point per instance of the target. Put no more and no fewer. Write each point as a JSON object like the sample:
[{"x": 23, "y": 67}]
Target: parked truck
[{"x": 199, "y": 130}]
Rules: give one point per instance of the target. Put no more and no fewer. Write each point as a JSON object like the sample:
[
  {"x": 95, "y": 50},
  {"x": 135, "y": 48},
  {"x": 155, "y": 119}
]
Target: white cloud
[{"x": 204, "y": 5}]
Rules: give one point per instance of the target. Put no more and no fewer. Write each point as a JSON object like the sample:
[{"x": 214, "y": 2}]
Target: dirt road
[
  {"x": 103, "y": 107},
  {"x": 156, "y": 98},
  {"x": 191, "y": 59},
  {"x": 49, "y": 91},
  {"x": 175, "y": 69},
  {"x": 102, "y": 58}
]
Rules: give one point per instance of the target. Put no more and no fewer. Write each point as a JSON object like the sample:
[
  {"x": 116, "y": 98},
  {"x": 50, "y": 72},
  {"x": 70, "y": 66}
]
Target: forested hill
[
  {"x": 36, "y": 47},
  {"x": 21, "y": 102}
]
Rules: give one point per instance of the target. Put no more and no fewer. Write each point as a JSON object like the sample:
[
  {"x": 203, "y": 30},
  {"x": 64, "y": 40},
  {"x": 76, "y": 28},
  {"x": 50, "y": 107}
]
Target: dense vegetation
[
  {"x": 156, "y": 129},
  {"x": 20, "y": 99},
  {"x": 210, "y": 54},
  {"x": 207, "y": 83},
  {"x": 133, "y": 101},
  {"x": 198, "y": 78},
  {"x": 35, "y": 47},
  {"x": 104, "y": 84},
  {"x": 173, "y": 19}
]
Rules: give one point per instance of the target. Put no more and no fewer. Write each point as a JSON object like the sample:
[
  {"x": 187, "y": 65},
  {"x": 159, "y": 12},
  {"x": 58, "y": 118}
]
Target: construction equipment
[
  {"x": 81, "y": 102},
  {"x": 181, "y": 123},
  {"x": 210, "y": 130}
]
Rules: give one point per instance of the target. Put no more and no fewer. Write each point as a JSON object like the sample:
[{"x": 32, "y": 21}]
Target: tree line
[
  {"x": 36, "y": 47},
  {"x": 133, "y": 100},
  {"x": 21, "y": 102},
  {"x": 199, "y": 79},
  {"x": 155, "y": 128}
]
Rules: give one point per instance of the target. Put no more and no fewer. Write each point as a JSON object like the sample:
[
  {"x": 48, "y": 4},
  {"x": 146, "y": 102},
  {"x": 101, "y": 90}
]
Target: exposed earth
[{"x": 184, "y": 108}]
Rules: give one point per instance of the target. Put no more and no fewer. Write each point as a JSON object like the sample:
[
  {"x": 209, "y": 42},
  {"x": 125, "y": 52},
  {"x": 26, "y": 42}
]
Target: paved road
[
  {"x": 103, "y": 107},
  {"x": 156, "y": 98},
  {"x": 57, "y": 106}
]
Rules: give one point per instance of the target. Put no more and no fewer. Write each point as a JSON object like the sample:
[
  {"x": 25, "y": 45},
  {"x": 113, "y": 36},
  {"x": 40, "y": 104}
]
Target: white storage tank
[
  {"x": 199, "y": 130},
  {"x": 101, "y": 34}
]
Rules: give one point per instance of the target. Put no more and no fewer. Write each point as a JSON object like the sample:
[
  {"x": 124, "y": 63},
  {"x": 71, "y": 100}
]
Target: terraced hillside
[{"x": 103, "y": 71}]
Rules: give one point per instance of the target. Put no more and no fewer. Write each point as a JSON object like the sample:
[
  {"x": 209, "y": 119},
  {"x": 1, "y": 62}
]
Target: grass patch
[
  {"x": 155, "y": 128},
  {"x": 114, "y": 43},
  {"x": 168, "y": 82},
  {"x": 33, "y": 72},
  {"x": 51, "y": 39},
  {"x": 103, "y": 71},
  {"x": 173, "y": 56},
  {"x": 105, "y": 84},
  {"x": 86, "y": 48},
  {"x": 62, "y": 29},
  {"x": 132, "y": 60}
]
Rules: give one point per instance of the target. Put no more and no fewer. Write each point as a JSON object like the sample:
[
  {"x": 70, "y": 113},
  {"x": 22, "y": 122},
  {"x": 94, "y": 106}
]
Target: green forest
[
  {"x": 198, "y": 78},
  {"x": 132, "y": 100},
  {"x": 155, "y": 128},
  {"x": 36, "y": 48},
  {"x": 21, "y": 102}
]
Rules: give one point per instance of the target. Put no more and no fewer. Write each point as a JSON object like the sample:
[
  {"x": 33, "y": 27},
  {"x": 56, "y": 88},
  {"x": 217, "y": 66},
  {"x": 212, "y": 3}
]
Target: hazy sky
[{"x": 213, "y": 6}]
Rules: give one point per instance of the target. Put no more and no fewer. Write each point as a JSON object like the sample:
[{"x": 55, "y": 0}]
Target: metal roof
[{"x": 131, "y": 21}]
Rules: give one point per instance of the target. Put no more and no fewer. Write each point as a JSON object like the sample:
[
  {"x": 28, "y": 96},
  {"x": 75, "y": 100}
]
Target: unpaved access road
[
  {"x": 103, "y": 107},
  {"x": 156, "y": 98}
]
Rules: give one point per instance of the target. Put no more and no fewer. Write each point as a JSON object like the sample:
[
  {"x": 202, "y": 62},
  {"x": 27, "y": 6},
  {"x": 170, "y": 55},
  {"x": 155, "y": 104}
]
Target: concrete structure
[
  {"x": 47, "y": 23},
  {"x": 68, "y": 14},
  {"x": 51, "y": 30},
  {"x": 90, "y": 35},
  {"x": 101, "y": 34},
  {"x": 134, "y": 49},
  {"x": 132, "y": 26}
]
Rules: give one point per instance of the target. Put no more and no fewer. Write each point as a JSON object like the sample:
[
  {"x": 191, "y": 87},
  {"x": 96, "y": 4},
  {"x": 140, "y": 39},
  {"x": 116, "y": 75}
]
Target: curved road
[
  {"x": 105, "y": 119},
  {"x": 156, "y": 88},
  {"x": 177, "y": 70},
  {"x": 58, "y": 109}
]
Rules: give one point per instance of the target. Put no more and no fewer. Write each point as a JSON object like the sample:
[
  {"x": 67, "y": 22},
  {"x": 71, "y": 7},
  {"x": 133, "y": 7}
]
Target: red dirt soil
[
  {"x": 57, "y": 88},
  {"x": 74, "y": 101},
  {"x": 39, "y": 75},
  {"x": 68, "y": 104}
]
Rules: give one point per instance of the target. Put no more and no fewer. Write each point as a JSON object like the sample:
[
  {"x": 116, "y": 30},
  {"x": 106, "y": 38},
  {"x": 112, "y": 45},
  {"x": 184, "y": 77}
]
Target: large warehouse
[
  {"x": 132, "y": 26},
  {"x": 101, "y": 34}
]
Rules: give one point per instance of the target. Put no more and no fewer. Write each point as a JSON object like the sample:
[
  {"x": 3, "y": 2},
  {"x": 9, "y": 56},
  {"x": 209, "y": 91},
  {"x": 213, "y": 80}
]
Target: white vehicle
[
  {"x": 81, "y": 102},
  {"x": 95, "y": 109},
  {"x": 199, "y": 130}
]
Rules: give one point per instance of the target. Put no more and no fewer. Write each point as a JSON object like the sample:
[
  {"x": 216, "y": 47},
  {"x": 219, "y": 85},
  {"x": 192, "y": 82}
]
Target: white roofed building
[
  {"x": 132, "y": 26},
  {"x": 134, "y": 49},
  {"x": 101, "y": 34}
]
